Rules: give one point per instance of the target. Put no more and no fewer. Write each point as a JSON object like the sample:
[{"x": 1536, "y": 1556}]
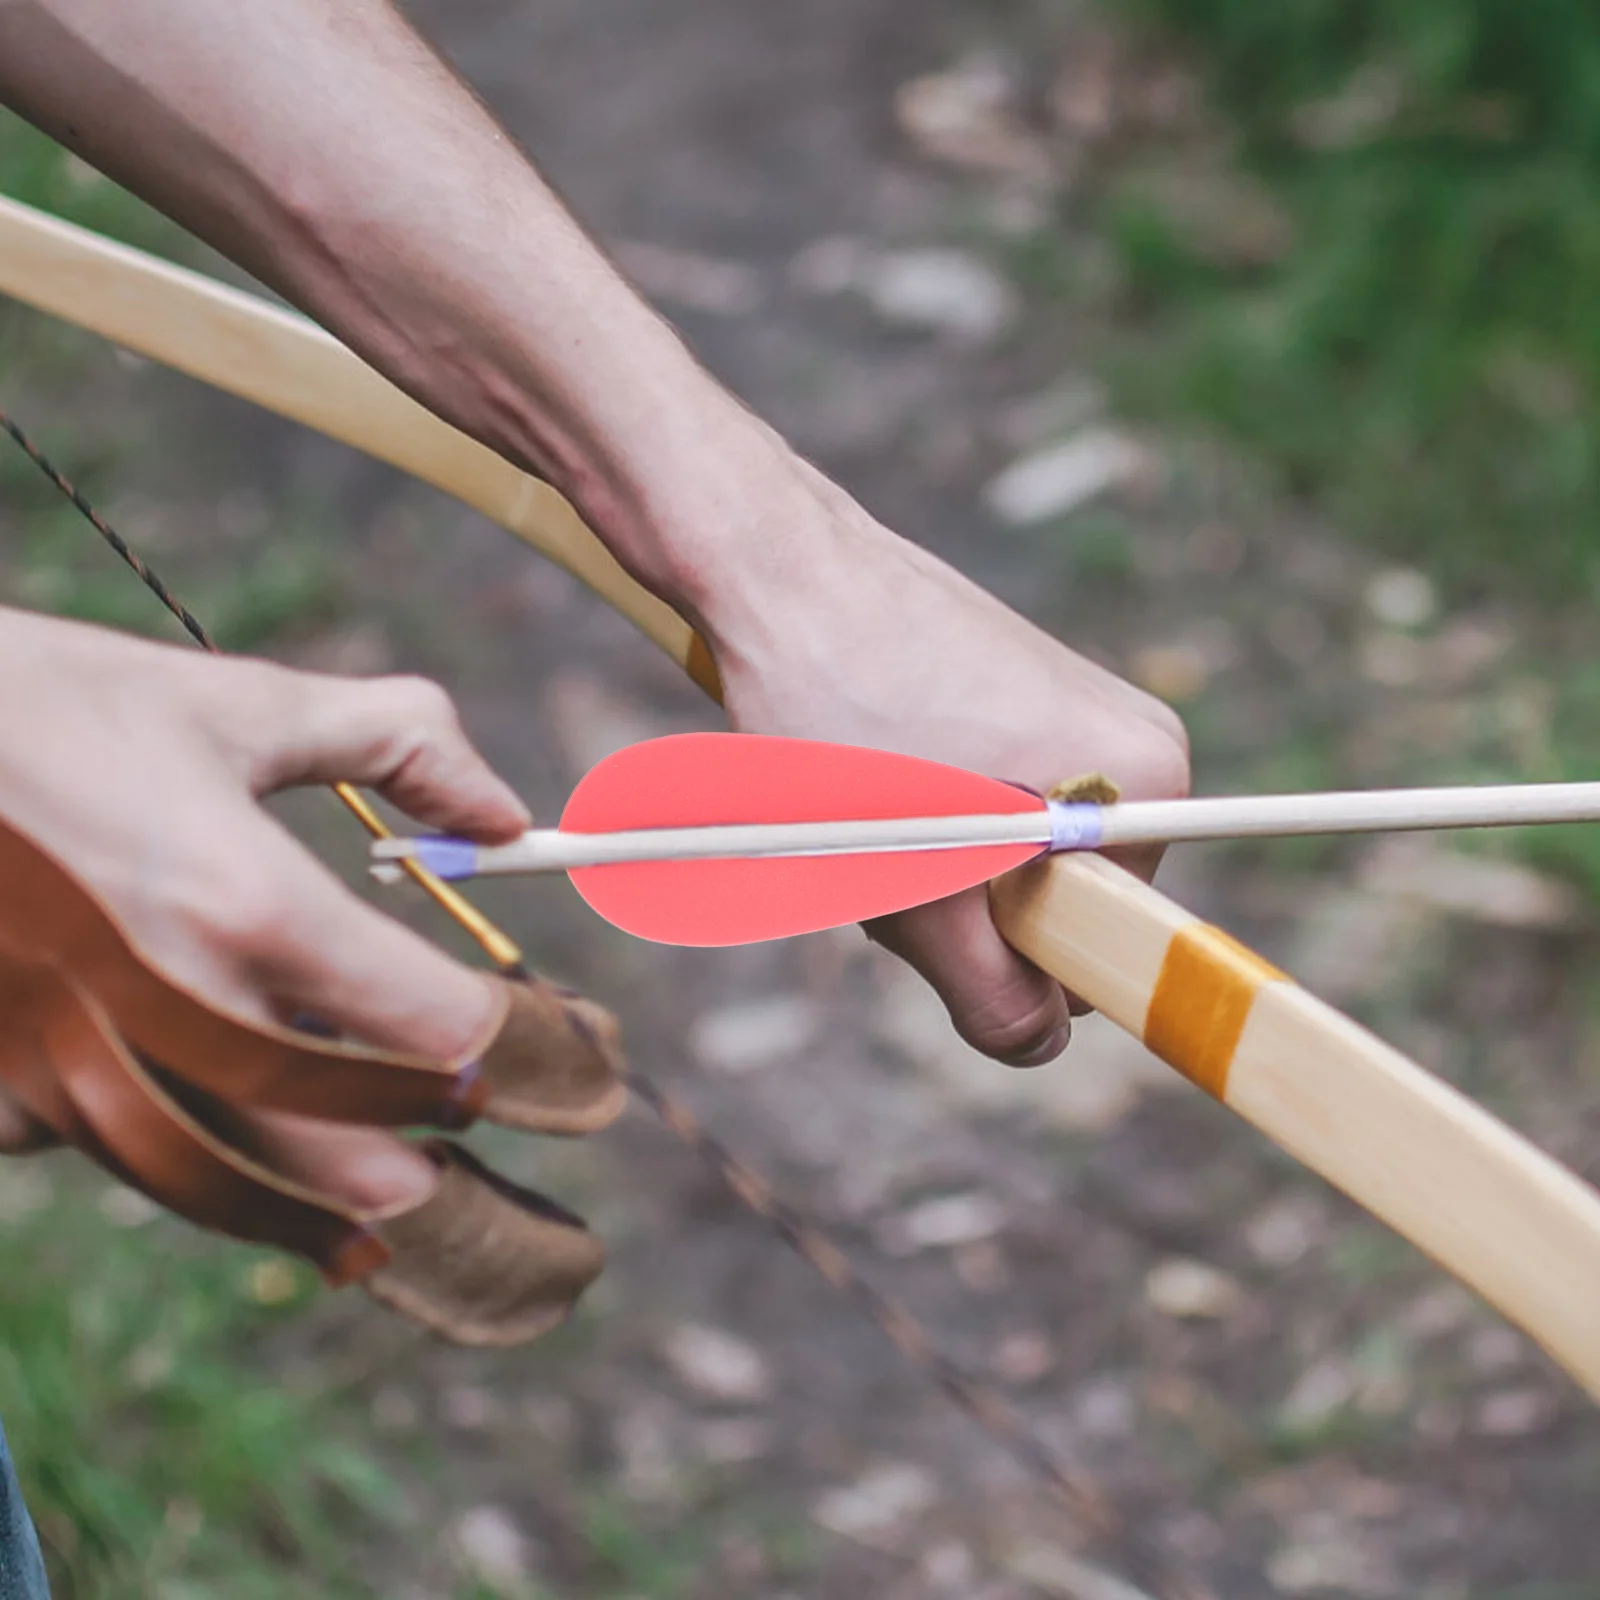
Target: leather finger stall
[{"x": 173, "y": 1097}]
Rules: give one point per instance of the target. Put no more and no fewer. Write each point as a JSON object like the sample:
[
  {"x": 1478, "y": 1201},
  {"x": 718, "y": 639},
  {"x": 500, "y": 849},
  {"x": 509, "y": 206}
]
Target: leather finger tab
[
  {"x": 555, "y": 1066},
  {"x": 484, "y": 1261},
  {"x": 48, "y": 918},
  {"x": 152, "y": 1133}
]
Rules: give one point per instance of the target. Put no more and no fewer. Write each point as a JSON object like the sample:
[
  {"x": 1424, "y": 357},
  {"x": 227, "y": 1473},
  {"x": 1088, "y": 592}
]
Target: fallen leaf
[
  {"x": 1059, "y": 478},
  {"x": 1402, "y": 597},
  {"x": 1181, "y": 1287},
  {"x": 966, "y": 116},
  {"x": 754, "y": 1033},
  {"x": 1285, "y": 1229},
  {"x": 940, "y": 1223},
  {"x": 878, "y": 1503},
  {"x": 951, "y": 291},
  {"x": 1513, "y": 1413},
  {"x": 717, "y": 1365},
  {"x": 492, "y": 1548}
]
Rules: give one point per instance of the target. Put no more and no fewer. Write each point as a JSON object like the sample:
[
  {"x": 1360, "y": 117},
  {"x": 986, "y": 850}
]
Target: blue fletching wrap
[
  {"x": 448, "y": 858},
  {"x": 1074, "y": 825}
]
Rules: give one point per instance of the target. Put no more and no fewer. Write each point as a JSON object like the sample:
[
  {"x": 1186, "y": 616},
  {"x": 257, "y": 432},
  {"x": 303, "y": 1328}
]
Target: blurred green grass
[
  {"x": 247, "y": 593},
  {"x": 1413, "y": 341},
  {"x": 157, "y": 1456},
  {"x": 38, "y": 171}
]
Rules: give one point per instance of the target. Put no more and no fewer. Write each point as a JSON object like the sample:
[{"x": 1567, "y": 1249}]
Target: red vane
[{"x": 707, "y": 779}]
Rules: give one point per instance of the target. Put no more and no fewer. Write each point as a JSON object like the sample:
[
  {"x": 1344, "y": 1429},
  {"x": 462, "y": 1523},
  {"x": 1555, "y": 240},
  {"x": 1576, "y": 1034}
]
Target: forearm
[{"x": 324, "y": 147}]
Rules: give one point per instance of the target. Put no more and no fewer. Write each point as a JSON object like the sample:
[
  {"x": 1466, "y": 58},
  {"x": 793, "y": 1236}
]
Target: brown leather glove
[{"x": 164, "y": 1090}]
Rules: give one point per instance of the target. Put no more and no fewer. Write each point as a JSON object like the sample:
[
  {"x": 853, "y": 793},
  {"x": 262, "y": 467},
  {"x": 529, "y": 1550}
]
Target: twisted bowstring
[
  {"x": 496, "y": 945},
  {"x": 981, "y": 1400}
]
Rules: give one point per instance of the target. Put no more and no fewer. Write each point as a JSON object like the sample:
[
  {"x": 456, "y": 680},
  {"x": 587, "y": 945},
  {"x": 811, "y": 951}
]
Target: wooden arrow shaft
[
  {"x": 1487, "y": 1205},
  {"x": 1367, "y": 811},
  {"x": 1080, "y": 827},
  {"x": 556, "y": 850}
]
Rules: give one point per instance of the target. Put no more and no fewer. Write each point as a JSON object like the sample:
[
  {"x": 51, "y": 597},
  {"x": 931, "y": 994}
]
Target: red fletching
[{"x": 709, "y": 779}]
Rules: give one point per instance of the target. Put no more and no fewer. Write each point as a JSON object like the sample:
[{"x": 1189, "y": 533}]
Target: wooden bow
[{"x": 1504, "y": 1218}]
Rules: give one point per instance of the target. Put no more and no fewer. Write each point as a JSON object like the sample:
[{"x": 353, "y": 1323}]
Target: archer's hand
[
  {"x": 140, "y": 767},
  {"x": 825, "y": 625},
  {"x": 357, "y": 177}
]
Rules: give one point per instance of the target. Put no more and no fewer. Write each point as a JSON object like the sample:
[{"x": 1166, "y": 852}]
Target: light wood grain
[
  {"x": 263, "y": 353},
  {"x": 1481, "y": 1200},
  {"x": 1256, "y": 816}
]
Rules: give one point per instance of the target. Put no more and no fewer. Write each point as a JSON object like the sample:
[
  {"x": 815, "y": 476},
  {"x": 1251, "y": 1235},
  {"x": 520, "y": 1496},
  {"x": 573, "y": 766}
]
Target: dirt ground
[{"x": 1278, "y": 1395}]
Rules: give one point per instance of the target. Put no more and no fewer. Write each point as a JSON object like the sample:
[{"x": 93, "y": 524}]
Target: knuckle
[
  {"x": 231, "y": 697},
  {"x": 237, "y": 905},
  {"x": 1009, "y": 1028},
  {"x": 421, "y": 723},
  {"x": 265, "y": 685},
  {"x": 422, "y": 703},
  {"x": 1157, "y": 767},
  {"x": 249, "y": 710},
  {"x": 1008, "y": 1041}
]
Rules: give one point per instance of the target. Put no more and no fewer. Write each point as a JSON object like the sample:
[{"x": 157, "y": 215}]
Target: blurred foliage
[
  {"x": 37, "y": 170},
  {"x": 1415, "y": 341},
  {"x": 1573, "y": 743},
  {"x": 656, "y": 1563},
  {"x": 248, "y": 593},
  {"x": 281, "y": 581}
]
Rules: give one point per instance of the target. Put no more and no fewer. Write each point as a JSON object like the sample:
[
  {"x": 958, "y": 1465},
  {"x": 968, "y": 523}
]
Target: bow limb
[
  {"x": 1489, "y": 1207},
  {"x": 1505, "y": 1218},
  {"x": 285, "y": 363}
]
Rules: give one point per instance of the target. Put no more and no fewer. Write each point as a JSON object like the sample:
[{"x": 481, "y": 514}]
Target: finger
[
  {"x": 999, "y": 1003},
  {"x": 363, "y": 1168},
  {"x": 399, "y": 735},
  {"x": 303, "y": 942}
]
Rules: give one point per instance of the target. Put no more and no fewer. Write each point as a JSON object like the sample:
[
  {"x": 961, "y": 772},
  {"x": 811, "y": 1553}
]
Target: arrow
[
  {"x": 701, "y": 803},
  {"x": 725, "y": 838},
  {"x": 1515, "y": 1225}
]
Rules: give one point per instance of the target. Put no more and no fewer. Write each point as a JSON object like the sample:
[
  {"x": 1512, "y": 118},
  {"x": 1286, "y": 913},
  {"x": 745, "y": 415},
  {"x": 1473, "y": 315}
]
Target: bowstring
[{"x": 983, "y": 1401}]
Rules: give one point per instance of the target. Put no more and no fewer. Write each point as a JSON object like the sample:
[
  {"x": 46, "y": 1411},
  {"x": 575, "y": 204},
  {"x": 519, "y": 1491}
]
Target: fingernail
[{"x": 1053, "y": 1045}]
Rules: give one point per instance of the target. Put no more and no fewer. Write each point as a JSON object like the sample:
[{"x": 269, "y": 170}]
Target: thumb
[
  {"x": 999, "y": 1002},
  {"x": 399, "y": 735}
]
